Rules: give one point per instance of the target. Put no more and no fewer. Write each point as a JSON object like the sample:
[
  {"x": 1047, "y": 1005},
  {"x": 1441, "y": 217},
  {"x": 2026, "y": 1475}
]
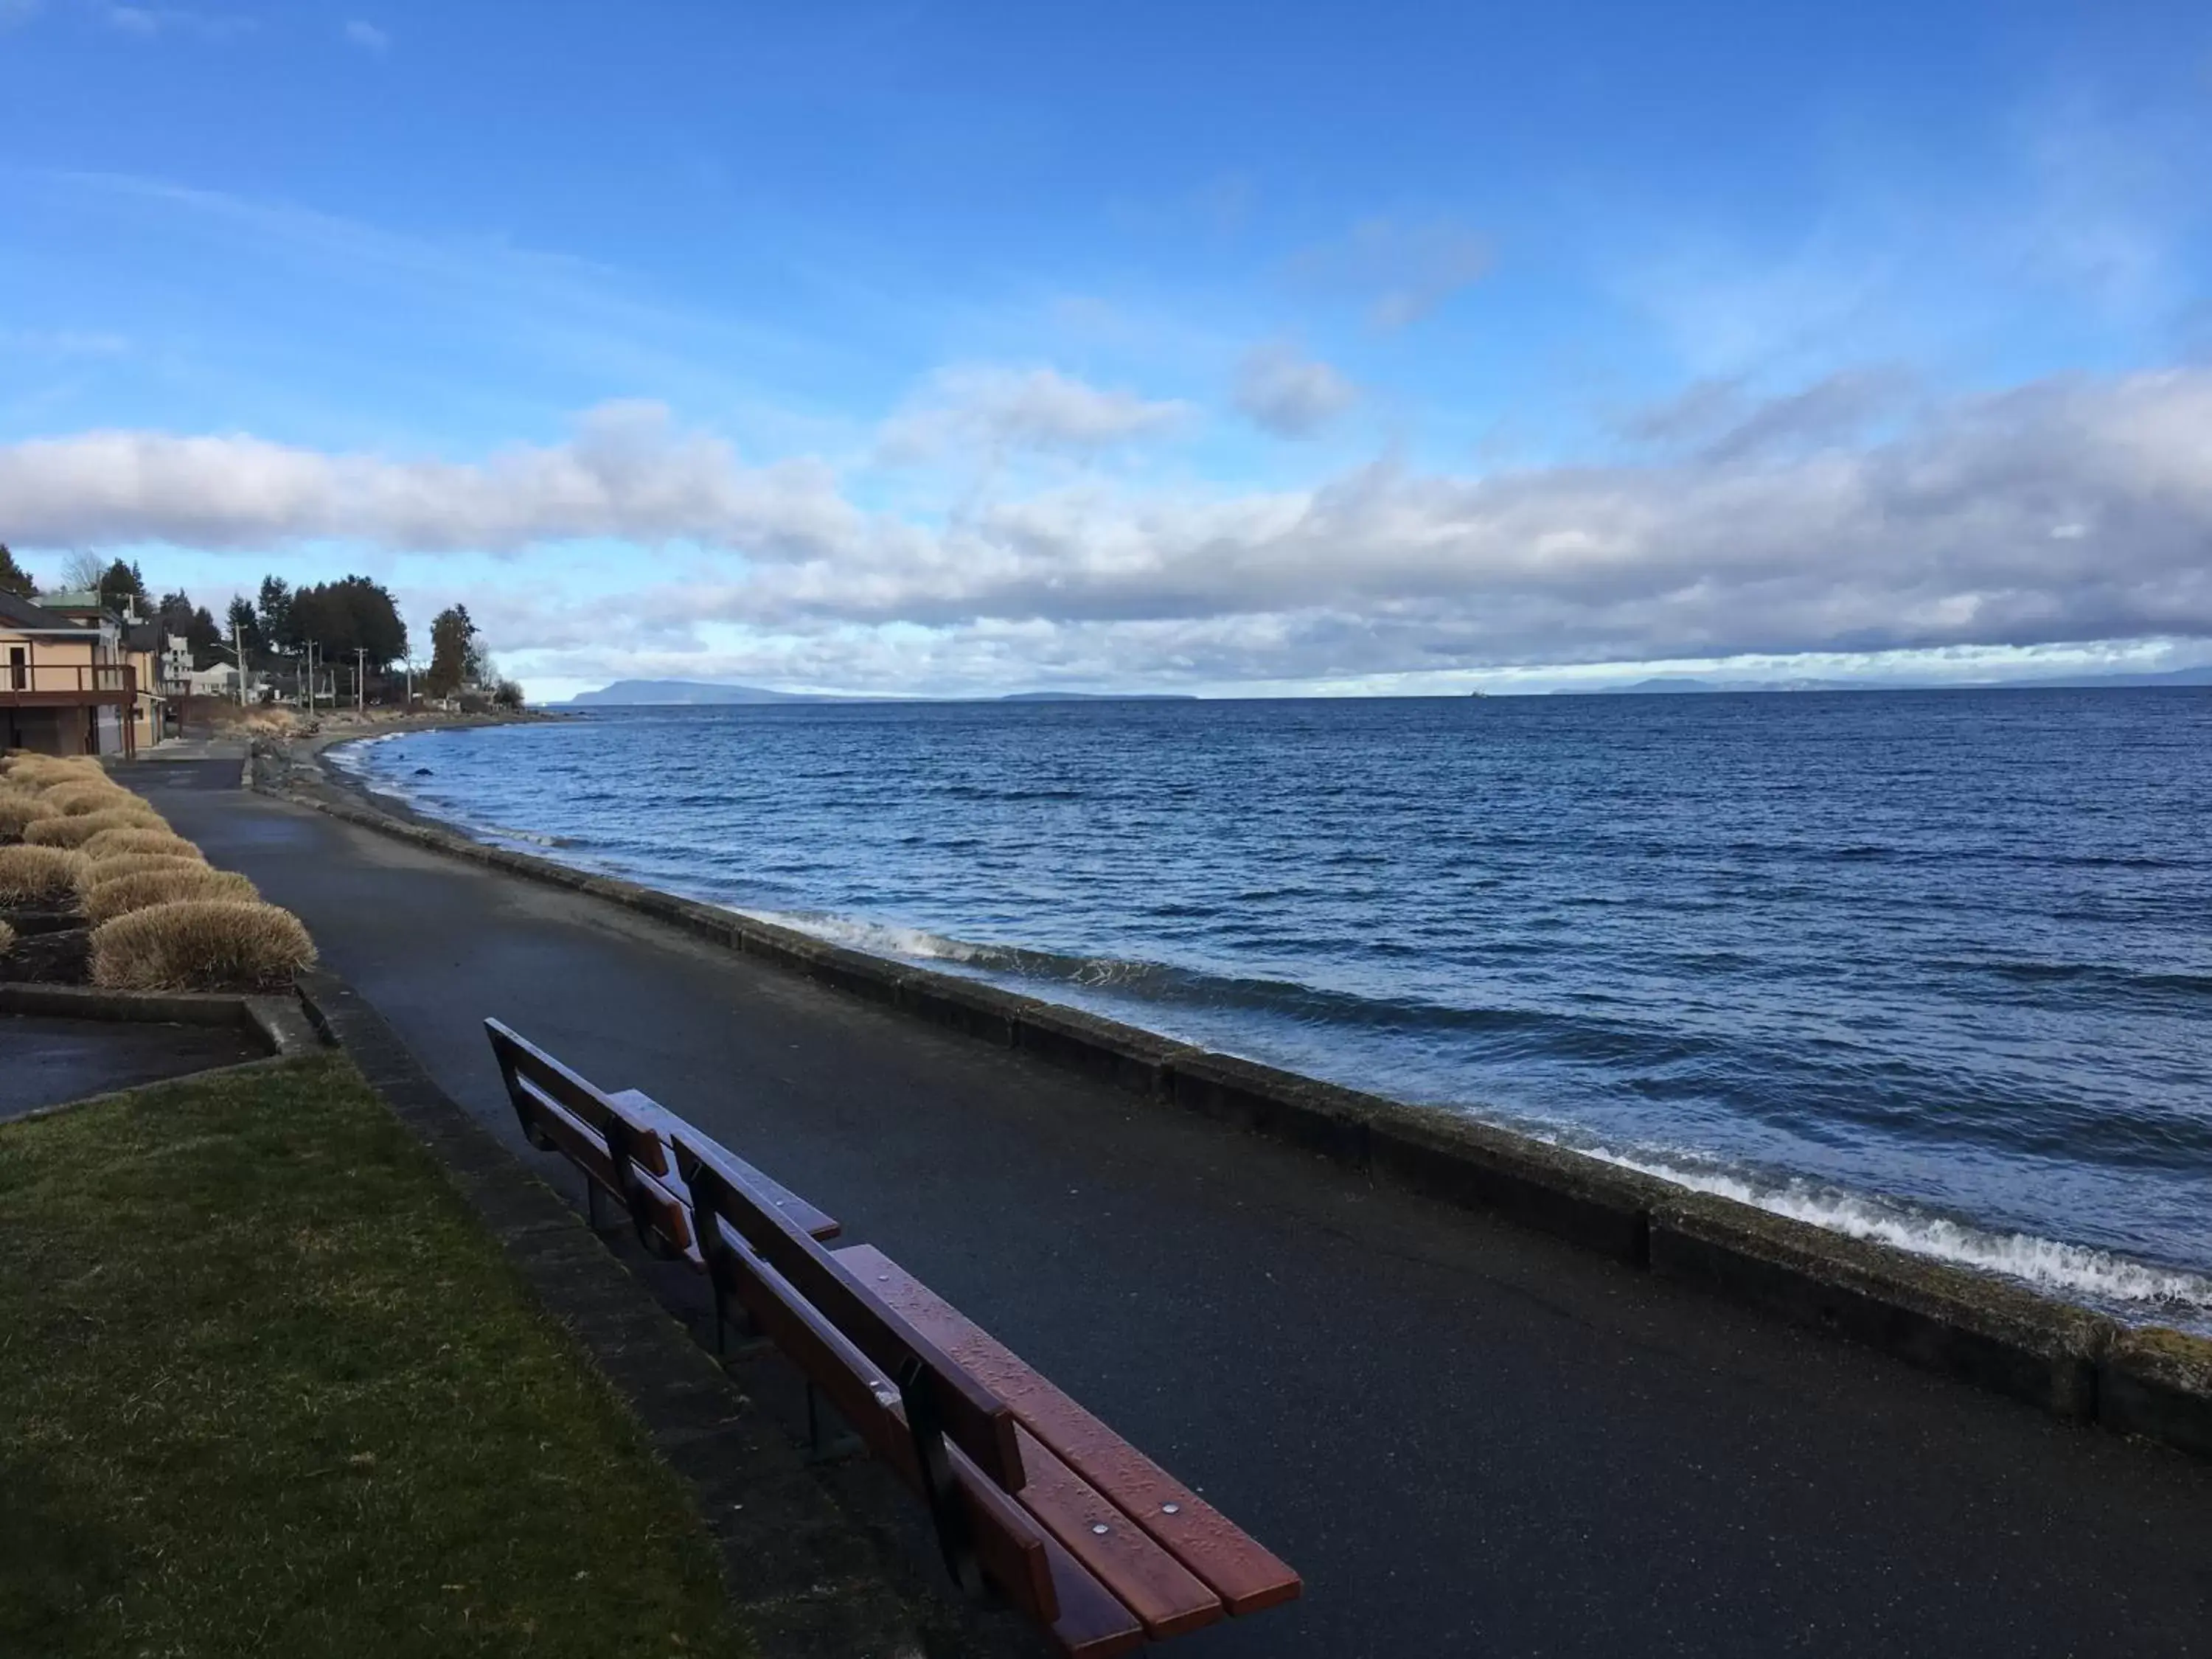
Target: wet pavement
[{"x": 45, "y": 1061}]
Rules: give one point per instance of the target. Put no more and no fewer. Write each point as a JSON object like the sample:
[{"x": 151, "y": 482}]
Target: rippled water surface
[{"x": 1933, "y": 967}]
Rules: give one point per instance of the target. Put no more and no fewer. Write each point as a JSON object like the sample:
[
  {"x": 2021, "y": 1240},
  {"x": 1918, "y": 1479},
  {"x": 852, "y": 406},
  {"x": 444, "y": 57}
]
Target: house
[
  {"x": 221, "y": 680},
  {"x": 156, "y": 714},
  {"x": 67, "y": 683}
]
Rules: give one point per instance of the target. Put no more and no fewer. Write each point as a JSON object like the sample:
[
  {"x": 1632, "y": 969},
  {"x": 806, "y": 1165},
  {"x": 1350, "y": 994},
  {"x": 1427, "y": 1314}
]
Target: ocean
[{"x": 1932, "y": 968}]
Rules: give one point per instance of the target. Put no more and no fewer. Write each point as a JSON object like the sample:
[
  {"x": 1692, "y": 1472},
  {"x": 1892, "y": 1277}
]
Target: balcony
[{"x": 67, "y": 685}]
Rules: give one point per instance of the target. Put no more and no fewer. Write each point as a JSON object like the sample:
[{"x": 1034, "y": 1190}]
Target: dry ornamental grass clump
[
  {"x": 200, "y": 945},
  {"x": 7, "y": 939},
  {"x": 108, "y": 843},
  {"x": 108, "y": 900},
  {"x": 38, "y": 875},
  {"x": 75, "y": 799},
  {"x": 74, "y": 832},
  {"x": 98, "y": 872},
  {"x": 37, "y": 771},
  {"x": 18, "y": 812}
]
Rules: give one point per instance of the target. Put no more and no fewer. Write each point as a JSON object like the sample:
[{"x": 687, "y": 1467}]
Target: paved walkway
[
  {"x": 1470, "y": 1439},
  {"x": 50, "y": 1060}
]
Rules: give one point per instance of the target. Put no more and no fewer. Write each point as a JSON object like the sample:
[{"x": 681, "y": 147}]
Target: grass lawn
[{"x": 265, "y": 1389}]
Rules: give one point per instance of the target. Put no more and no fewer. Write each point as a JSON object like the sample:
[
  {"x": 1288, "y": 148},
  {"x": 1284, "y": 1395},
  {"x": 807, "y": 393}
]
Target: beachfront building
[{"x": 67, "y": 685}]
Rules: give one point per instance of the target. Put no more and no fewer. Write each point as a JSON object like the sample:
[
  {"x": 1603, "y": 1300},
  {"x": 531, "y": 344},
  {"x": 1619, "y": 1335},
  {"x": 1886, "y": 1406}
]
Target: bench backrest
[
  {"x": 619, "y": 1146},
  {"x": 975, "y": 1419},
  {"x": 943, "y": 1432},
  {"x": 953, "y": 1439}
]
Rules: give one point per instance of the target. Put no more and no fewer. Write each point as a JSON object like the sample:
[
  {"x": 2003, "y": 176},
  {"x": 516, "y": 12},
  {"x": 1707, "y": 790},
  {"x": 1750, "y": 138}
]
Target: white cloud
[
  {"x": 627, "y": 473},
  {"x": 984, "y": 408},
  {"x": 367, "y": 36},
  {"x": 1289, "y": 393},
  {"x": 146, "y": 22},
  {"x": 1403, "y": 271},
  {"x": 2064, "y": 510},
  {"x": 63, "y": 342}
]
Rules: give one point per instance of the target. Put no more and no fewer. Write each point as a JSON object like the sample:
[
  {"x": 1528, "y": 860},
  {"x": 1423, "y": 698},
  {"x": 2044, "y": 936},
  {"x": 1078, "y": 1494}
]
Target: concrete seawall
[{"x": 2075, "y": 1364}]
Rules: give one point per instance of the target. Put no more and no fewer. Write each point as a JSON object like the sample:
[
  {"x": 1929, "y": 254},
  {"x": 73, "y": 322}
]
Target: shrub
[
  {"x": 200, "y": 945},
  {"x": 98, "y": 872},
  {"x": 74, "y": 799},
  {"x": 109, "y": 842},
  {"x": 35, "y": 771},
  {"x": 74, "y": 832},
  {"x": 36, "y": 875},
  {"x": 18, "y": 812},
  {"x": 108, "y": 900},
  {"x": 7, "y": 939}
]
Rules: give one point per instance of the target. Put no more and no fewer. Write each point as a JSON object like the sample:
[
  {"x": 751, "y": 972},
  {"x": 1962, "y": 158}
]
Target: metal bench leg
[
  {"x": 824, "y": 1447},
  {"x": 939, "y": 1486}
]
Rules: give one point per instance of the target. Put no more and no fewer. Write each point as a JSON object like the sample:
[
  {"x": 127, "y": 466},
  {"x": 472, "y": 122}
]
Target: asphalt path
[{"x": 1469, "y": 1438}]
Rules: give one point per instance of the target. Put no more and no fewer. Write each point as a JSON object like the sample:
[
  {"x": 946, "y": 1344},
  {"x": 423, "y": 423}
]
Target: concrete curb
[
  {"x": 278, "y": 1020},
  {"x": 802, "y": 1578},
  {"x": 1941, "y": 1317},
  {"x": 1962, "y": 1324}
]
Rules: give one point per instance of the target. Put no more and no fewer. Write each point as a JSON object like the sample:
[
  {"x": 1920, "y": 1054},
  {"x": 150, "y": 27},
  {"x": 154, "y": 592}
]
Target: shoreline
[
  {"x": 2135, "y": 1290},
  {"x": 1964, "y": 1321}
]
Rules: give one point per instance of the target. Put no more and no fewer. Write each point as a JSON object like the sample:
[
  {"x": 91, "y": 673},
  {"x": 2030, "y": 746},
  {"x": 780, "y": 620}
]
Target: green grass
[{"x": 266, "y": 1389}]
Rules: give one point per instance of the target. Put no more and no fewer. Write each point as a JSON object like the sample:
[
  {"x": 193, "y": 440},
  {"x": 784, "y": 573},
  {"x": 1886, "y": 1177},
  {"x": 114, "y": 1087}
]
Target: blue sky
[{"x": 938, "y": 348}]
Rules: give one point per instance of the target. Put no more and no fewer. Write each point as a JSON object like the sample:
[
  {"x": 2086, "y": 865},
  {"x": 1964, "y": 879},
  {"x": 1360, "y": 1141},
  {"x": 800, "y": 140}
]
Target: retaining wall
[{"x": 2077, "y": 1364}]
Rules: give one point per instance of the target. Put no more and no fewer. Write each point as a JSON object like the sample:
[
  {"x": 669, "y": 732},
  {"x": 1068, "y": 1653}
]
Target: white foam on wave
[
  {"x": 2076, "y": 1270},
  {"x": 878, "y": 938},
  {"x": 529, "y": 837}
]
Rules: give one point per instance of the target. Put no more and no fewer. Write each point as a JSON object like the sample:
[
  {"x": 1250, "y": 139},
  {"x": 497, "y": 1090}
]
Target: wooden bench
[{"x": 1029, "y": 1494}]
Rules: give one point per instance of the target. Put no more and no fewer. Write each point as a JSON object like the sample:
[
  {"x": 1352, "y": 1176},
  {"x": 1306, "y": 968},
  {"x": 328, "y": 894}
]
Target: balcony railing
[{"x": 96, "y": 682}]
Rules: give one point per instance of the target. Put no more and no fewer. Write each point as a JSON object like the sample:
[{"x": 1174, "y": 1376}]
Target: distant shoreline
[{"x": 2181, "y": 680}]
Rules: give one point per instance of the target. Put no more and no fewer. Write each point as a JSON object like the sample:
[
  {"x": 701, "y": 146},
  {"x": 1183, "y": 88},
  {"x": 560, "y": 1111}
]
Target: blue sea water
[{"x": 1929, "y": 967}]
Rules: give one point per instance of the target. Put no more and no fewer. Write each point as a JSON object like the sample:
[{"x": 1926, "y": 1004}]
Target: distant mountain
[
  {"x": 1098, "y": 697},
  {"x": 2201, "y": 675},
  {"x": 1676, "y": 683},
  {"x": 636, "y": 693}
]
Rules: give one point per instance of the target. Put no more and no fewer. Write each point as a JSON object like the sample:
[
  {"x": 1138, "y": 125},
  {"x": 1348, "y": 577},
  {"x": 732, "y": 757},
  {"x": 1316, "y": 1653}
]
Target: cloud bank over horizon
[{"x": 2065, "y": 510}]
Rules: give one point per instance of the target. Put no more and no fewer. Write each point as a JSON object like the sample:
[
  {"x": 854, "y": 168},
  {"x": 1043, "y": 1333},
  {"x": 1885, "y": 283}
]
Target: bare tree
[{"x": 82, "y": 569}]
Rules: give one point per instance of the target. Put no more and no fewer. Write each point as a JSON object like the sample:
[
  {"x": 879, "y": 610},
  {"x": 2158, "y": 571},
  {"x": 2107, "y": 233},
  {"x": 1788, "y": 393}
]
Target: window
[{"x": 19, "y": 673}]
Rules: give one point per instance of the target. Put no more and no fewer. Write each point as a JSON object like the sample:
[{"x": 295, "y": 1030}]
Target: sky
[{"x": 1228, "y": 349}]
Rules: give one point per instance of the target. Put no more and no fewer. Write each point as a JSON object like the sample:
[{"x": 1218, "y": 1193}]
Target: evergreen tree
[
  {"x": 276, "y": 610},
  {"x": 119, "y": 584},
  {"x": 202, "y": 634},
  {"x": 244, "y": 630},
  {"x": 343, "y": 617},
  {"x": 14, "y": 579},
  {"x": 452, "y": 637}
]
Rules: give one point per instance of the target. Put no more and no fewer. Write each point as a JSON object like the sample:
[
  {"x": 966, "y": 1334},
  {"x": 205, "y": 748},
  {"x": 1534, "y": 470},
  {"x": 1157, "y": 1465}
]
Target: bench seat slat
[
  {"x": 1091, "y": 1624},
  {"x": 1243, "y": 1573},
  {"x": 1166, "y": 1598}
]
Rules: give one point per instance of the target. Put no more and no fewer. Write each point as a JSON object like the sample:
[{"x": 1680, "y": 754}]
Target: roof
[
  {"x": 24, "y": 614},
  {"x": 36, "y": 616}
]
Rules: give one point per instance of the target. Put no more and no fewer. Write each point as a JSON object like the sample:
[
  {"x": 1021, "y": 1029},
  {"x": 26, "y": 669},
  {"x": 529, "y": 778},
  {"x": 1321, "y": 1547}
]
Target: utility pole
[{"x": 360, "y": 683}]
